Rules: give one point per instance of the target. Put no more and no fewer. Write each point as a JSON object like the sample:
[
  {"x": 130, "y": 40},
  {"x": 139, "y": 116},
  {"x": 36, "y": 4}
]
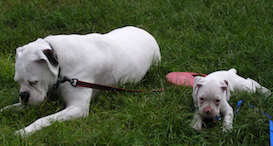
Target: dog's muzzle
[{"x": 24, "y": 96}]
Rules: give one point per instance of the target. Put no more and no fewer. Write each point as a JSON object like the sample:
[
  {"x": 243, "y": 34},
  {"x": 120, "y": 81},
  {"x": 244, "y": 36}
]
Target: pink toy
[{"x": 182, "y": 78}]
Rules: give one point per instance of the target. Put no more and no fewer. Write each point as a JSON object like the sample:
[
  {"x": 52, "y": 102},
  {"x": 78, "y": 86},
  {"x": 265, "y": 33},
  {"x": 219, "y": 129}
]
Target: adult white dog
[
  {"x": 212, "y": 93},
  {"x": 120, "y": 56}
]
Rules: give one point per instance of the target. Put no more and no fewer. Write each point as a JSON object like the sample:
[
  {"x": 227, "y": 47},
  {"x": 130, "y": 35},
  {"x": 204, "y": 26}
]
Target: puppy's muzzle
[
  {"x": 207, "y": 111},
  {"x": 24, "y": 96}
]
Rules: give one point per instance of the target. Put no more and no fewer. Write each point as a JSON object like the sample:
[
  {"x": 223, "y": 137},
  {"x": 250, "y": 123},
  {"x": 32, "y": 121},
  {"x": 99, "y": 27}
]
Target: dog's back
[
  {"x": 238, "y": 83},
  {"x": 120, "y": 56},
  {"x": 138, "y": 50}
]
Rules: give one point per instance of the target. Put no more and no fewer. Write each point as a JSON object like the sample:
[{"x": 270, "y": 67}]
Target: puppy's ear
[
  {"x": 50, "y": 58},
  {"x": 198, "y": 82},
  {"x": 224, "y": 86}
]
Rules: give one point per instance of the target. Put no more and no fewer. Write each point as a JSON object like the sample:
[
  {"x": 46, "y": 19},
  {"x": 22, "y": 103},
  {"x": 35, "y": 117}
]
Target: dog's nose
[
  {"x": 208, "y": 111},
  {"x": 24, "y": 96}
]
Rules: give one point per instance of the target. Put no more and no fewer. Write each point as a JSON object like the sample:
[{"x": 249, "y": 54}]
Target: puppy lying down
[{"x": 212, "y": 93}]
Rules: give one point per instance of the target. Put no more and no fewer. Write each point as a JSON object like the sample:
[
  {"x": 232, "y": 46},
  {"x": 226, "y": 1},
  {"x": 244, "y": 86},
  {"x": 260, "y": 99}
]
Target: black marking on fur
[{"x": 52, "y": 57}]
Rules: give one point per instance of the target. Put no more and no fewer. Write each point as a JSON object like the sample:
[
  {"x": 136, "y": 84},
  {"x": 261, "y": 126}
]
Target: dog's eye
[
  {"x": 202, "y": 99},
  {"x": 33, "y": 83},
  {"x": 217, "y": 102}
]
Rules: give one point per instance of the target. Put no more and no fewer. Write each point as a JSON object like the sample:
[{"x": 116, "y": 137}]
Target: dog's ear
[
  {"x": 19, "y": 51},
  {"x": 50, "y": 58},
  {"x": 198, "y": 79},
  {"x": 224, "y": 86},
  {"x": 198, "y": 82}
]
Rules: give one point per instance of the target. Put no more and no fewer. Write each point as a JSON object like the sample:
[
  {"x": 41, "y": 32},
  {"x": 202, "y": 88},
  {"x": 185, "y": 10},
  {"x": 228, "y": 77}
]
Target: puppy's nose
[
  {"x": 208, "y": 111},
  {"x": 24, "y": 96}
]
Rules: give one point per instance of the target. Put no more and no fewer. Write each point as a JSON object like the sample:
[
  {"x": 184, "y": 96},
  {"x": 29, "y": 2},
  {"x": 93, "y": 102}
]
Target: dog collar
[
  {"x": 59, "y": 79},
  {"x": 50, "y": 45},
  {"x": 62, "y": 79}
]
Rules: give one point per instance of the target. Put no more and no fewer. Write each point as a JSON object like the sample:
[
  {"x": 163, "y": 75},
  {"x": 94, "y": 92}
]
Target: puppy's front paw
[
  {"x": 227, "y": 128},
  {"x": 197, "y": 125},
  {"x": 22, "y": 133},
  {"x": 196, "y": 122}
]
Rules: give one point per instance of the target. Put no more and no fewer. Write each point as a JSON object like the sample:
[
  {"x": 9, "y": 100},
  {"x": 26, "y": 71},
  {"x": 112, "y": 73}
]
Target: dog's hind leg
[{"x": 255, "y": 86}]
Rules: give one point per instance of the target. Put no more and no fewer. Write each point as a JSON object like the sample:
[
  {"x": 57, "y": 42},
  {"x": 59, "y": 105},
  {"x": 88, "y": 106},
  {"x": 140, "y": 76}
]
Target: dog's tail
[{"x": 233, "y": 70}]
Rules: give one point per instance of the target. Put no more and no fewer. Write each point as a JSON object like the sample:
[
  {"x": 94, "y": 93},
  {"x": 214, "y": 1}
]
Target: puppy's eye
[
  {"x": 33, "y": 83},
  {"x": 218, "y": 100},
  {"x": 202, "y": 99}
]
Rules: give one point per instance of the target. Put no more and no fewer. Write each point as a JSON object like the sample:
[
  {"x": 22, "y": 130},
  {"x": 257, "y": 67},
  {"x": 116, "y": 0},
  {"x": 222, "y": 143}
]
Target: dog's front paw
[
  {"x": 22, "y": 133},
  {"x": 196, "y": 122},
  {"x": 197, "y": 125},
  {"x": 227, "y": 129}
]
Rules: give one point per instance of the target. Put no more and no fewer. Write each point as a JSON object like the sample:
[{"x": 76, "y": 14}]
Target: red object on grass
[{"x": 182, "y": 78}]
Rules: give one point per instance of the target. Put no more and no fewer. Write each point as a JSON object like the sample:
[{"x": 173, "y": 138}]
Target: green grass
[{"x": 194, "y": 35}]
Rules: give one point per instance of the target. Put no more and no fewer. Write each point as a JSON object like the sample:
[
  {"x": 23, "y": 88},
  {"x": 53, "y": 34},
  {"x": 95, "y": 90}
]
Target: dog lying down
[
  {"x": 212, "y": 93},
  {"x": 120, "y": 56}
]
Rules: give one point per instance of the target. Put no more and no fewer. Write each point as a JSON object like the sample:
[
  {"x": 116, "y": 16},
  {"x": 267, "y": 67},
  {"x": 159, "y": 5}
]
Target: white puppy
[
  {"x": 212, "y": 93},
  {"x": 120, "y": 56}
]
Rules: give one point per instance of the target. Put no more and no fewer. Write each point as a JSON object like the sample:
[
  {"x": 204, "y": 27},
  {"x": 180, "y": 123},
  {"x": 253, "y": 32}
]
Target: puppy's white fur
[
  {"x": 120, "y": 56},
  {"x": 212, "y": 93}
]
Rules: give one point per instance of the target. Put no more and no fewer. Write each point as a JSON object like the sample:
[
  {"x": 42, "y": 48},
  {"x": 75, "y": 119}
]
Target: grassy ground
[{"x": 200, "y": 36}]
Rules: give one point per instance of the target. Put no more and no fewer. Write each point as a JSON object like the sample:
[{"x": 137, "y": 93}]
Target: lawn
[{"x": 194, "y": 35}]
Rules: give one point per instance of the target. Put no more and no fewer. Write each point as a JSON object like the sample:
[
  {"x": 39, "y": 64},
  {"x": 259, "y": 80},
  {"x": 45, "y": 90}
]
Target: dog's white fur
[
  {"x": 212, "y": 93},
  {"x": 120, "y": 56}
]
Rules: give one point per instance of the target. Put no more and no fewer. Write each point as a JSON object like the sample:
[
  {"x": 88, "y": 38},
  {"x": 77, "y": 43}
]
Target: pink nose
[{"x": 208, "y": 111}]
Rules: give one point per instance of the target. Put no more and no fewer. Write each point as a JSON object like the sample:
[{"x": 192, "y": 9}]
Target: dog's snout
[
  {"x": 208, "y": 111},
  {"x": 24, "y": 96}
]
